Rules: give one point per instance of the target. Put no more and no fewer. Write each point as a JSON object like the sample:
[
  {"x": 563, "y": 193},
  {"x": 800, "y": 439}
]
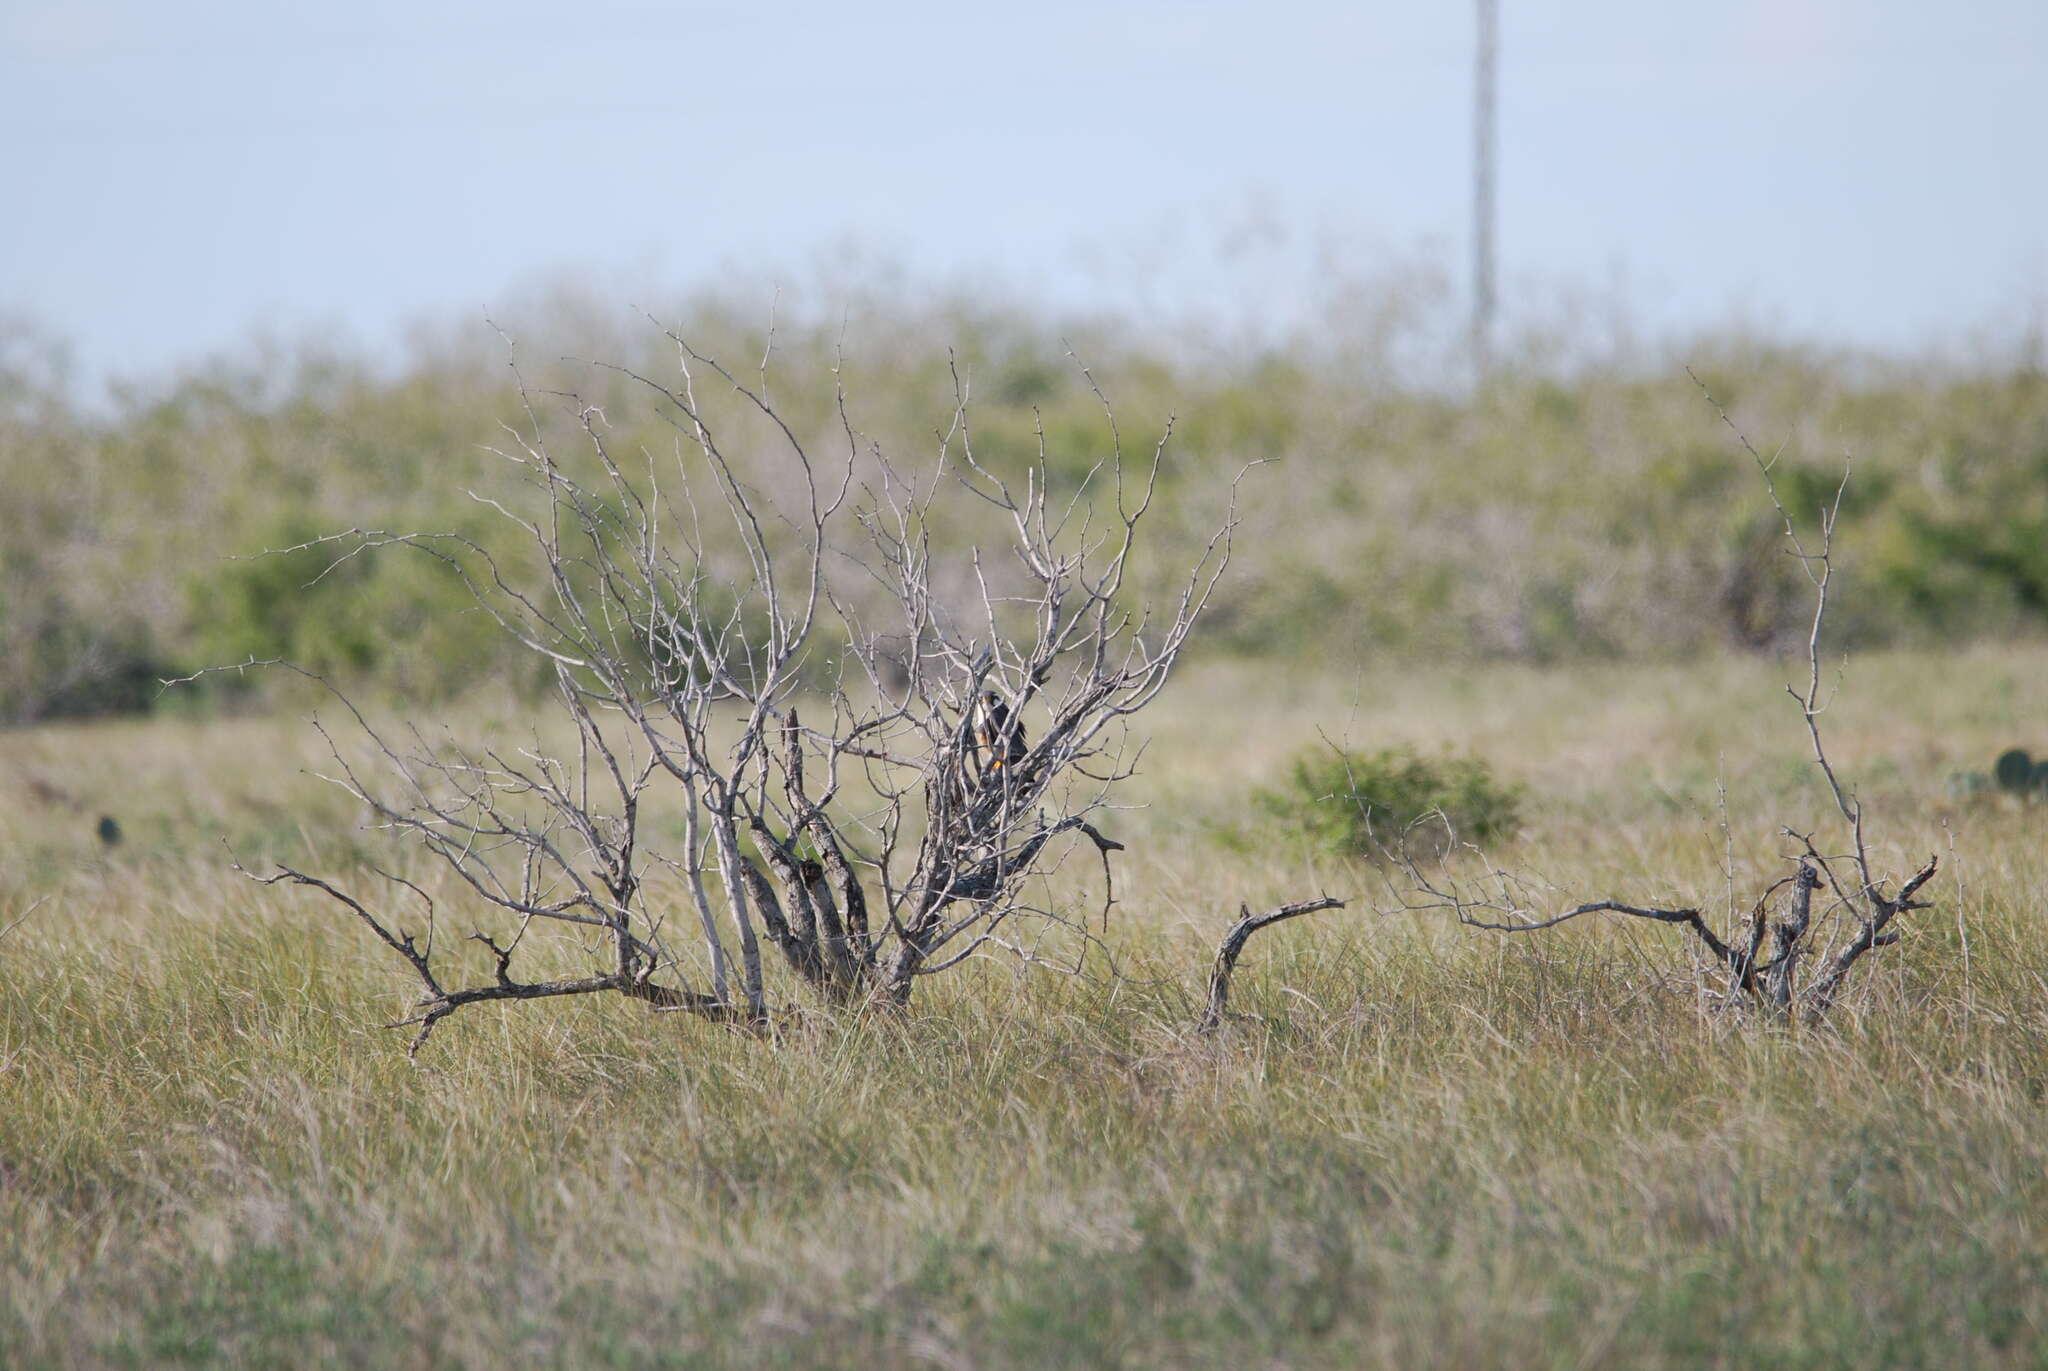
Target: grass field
[{"x": 1422, "y": 1146}]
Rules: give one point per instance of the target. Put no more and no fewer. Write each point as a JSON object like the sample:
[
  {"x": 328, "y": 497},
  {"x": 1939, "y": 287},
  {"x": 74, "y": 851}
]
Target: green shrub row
[{"x": 1601, "y": 512}]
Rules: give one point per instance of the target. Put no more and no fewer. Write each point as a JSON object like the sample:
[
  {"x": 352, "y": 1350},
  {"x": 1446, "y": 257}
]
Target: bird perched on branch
[{"x": 998, "y": 734}]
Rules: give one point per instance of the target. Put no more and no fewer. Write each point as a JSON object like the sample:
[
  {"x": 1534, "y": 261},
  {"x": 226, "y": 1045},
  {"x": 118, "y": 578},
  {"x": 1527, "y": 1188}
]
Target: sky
[{"x": 182, "y": 179}]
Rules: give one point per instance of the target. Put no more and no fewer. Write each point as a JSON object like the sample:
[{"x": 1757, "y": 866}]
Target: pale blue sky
[{"x": 181, "y": 176}]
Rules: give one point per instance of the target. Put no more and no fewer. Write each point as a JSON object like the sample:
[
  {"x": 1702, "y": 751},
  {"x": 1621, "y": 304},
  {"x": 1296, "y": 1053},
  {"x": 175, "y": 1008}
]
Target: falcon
[{"x": 997, "y": 733}]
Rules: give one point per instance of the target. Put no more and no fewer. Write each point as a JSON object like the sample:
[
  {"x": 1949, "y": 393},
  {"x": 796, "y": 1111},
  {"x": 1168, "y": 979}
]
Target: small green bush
[{"x": 1368, "y": 803}]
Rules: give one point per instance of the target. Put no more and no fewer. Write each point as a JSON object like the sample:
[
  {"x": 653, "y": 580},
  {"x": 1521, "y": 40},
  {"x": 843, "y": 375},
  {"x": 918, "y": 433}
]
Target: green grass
[{"x": 1422, "y": 1146}]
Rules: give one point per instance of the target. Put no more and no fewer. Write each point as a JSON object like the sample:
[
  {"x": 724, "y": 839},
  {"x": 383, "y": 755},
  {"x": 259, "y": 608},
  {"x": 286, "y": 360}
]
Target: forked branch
[{"x": 1856, "y": 910}]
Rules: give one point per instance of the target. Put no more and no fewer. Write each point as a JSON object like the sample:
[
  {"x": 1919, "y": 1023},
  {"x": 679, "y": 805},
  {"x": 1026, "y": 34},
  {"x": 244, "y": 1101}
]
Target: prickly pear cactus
[{"x": 2015, "y": 771}]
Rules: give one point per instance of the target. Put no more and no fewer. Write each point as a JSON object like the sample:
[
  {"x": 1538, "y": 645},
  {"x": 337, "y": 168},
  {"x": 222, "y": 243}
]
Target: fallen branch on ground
[
  {"x": 1233, "y": 946},
  {"x": 1858, "y": 910}
]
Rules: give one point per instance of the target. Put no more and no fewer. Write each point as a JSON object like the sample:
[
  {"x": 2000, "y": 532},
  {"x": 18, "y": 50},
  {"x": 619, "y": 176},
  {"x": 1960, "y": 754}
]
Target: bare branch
[
  {"x": 1860, "y": 900},
  {"x": 873, "y": 746},
  {"x": 1233, "y": 946}
]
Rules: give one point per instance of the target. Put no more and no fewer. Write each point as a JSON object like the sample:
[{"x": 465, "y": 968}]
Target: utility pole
[{"x": 1482, "y": 188}]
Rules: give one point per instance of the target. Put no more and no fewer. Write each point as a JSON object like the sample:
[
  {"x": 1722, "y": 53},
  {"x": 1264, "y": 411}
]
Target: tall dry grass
[{"x": 1424, "y": 1146}]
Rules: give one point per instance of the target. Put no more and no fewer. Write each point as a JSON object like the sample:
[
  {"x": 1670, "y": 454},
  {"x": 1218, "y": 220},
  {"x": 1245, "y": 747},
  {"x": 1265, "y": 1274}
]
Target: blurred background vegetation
[{"x": 1583, "y": 503}]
